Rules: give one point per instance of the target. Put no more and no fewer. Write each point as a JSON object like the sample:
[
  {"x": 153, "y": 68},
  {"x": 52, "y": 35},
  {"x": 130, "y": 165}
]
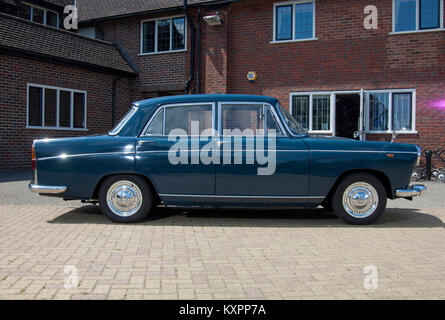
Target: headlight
[{"x": 419, "y": 154}]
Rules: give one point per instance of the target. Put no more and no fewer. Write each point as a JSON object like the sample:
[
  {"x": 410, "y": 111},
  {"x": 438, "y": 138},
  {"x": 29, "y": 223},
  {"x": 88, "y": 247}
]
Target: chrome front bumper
[
  {"x": 47, "y": 189},
  {"x": 412, "y": 191}
]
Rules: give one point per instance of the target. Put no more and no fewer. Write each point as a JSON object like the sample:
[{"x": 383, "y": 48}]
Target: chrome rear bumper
[
  {"x": 412, "y": 191},
  {"x": 47, "y": 189}
]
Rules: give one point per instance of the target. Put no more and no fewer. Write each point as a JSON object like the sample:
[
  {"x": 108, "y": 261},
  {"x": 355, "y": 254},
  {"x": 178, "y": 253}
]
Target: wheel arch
[
  {"x": 383, "y": 178},
  {"x": 95, "y": 194}
]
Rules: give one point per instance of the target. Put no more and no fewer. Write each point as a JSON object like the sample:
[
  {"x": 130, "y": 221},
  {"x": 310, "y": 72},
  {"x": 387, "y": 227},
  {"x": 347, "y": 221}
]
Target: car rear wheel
[
  {"x": 359, "y": 199},
  {"x": 125, "y": 198}
]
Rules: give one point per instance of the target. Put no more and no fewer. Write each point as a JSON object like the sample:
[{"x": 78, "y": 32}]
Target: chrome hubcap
[
  {"x": 360, "y": 200},
  {"x": 124, "y": 198}
]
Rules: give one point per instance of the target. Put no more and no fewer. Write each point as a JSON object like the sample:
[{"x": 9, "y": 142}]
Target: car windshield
[
  {"x": 292, "y": 124},
  {"x": 123, "y": 122}
]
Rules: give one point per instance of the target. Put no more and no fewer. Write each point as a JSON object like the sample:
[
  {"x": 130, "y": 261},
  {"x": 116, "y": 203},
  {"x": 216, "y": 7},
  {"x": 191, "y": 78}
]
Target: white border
[
  {"x": 141, "y": 47},
  {"x": 293, "y": 3},
  {"x": 441, "y": 26},
  {"x": 58, "y": 89}
]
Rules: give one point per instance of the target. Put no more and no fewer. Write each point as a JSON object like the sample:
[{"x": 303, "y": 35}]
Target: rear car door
[{"x": 176, "y": 171}]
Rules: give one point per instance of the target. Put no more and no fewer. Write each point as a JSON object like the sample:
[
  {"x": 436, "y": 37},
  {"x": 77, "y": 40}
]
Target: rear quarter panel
[{"x": 80, "y": 163}]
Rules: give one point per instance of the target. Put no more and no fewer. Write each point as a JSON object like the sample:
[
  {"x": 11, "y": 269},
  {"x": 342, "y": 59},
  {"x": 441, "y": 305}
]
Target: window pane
[
  {"x": 37, "y": 15},
  {"x": 378, "y": 111},
  {"x": 51, "y": 19},
  {"x": 284, "y": 23},
  {"x": 300, "y": 110},
  {"x": 405, "y": 15},
  {"x": 35, "y": 106},
  {"x": 242, "y": 117},
  {"x": 304, "y": 20},
  {"x": 164, "y": 35},
  {"x": 178, "y": 34},
  {"x": 321, "y": 118},
  {"x": 182, "y": 118},
  {"x": 65, "y": 109},
  {"x": 157, "y": 125},
  {"x": 148, "y": 37},
  {"x": 429, "y": 14},
  {"x": 402, "y": 109},
  {"x": 79, "y": 110},
  {"x": 50, "y": 108},
  {"x": 271, "y": 123},
  {"x": 25, "y": 12}
]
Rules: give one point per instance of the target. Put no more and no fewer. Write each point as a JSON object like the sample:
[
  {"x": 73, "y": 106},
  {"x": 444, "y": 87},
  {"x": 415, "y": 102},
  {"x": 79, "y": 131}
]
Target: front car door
[
  {"x": 242, "y": 178},
  {"x": 168, "y": 151}
]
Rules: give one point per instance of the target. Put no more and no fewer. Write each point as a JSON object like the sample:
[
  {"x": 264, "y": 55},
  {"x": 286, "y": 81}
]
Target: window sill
[
  {"x": 161, "y": 52},
  {"x": 289, "y": 41},
  {"x": 416, "y": 31},
  {"x": 390, "y": 132},
  {"x": 57, "y": 129}
]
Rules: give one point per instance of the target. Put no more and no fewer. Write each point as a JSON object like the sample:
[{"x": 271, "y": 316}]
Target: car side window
[
  {"x": 248, "y": 119},
  {"x": 242, "y": 119},
  {"x": 271, "y": 123},
  {"x": 193, "y": 119},
  {"x": 156, "y": 126}
]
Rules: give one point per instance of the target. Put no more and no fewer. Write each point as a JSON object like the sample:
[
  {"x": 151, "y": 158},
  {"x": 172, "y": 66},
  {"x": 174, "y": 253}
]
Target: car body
[{"x": 308, "y": 169}]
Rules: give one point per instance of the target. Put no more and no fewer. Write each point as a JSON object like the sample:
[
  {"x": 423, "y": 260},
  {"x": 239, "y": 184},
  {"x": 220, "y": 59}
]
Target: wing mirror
[
  {"x": 394, "y": 136},
  {"x": 356, "y": 134}
]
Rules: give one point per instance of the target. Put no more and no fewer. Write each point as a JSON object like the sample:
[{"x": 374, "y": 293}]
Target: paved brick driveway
[{"x": 220, "y": 254}]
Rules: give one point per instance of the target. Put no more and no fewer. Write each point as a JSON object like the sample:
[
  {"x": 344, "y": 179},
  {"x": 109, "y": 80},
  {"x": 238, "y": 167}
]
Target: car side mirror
[
  {"x": 356, "y": 134},
  {"x": 394, "y": 136}
]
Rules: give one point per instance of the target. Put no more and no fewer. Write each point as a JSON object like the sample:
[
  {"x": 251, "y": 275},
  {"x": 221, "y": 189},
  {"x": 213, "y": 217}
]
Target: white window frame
[
  {"x": 141, "y": 48},
  {"x": 32, "y": 6},
  {"x": 390, "y": 111},
  {"x": 57, "y": 127},
  {"x": 331, "y": 94},
  {"x": 441, "y": 22},
  {"x": 293, "y": 3}
]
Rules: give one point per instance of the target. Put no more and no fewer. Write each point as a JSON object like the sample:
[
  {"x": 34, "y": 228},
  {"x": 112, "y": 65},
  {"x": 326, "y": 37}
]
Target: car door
[
  {"x": 241, "y": 177},
  {"x": 168, "y": 151}
]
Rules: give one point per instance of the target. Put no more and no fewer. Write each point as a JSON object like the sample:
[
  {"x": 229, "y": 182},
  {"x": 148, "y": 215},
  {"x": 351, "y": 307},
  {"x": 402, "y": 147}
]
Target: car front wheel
[
  {"x": 125, "y": 198},
  {"x": 359, "y": 199}
]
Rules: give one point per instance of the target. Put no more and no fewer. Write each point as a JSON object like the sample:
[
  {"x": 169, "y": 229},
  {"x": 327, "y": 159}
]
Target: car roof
[{"x": 205, "y": 98}]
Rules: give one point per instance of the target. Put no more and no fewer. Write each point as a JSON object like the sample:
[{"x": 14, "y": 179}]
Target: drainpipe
[
  {"x": 192, "y": 48},
  {"x": 198, "y": 58},
  {"x": 113, "y": 110}
]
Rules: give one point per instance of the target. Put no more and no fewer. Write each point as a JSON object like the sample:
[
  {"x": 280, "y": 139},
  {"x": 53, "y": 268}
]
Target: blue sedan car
[{"x": 222, "y": 150}]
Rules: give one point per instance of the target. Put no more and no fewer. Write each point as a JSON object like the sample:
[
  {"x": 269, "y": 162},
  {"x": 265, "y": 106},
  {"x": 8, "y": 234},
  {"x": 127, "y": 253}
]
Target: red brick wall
[
  {"x": 345, "y": 57},
  {"x": 157, "y": 72},
  {"x": 16, "y": 73}
]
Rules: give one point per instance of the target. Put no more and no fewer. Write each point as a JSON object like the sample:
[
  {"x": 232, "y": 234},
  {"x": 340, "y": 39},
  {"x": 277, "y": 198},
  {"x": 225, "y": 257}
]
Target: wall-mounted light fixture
[{"x": 213, "y": 20}]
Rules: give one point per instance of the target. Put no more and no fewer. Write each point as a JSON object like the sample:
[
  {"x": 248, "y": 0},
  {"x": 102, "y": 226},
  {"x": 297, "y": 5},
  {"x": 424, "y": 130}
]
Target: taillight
[{"x": 33, "y": 157}]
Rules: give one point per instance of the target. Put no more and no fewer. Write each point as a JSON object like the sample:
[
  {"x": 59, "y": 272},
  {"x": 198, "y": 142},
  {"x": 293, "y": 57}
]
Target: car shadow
[{"x": 267, "y": 218}]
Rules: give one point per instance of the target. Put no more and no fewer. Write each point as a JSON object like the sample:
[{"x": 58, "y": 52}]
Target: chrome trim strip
[
  {"x": 64, "y": 156},
  {"x": 365, "y": 151},
  {"x": 240, "y": 197},
  {"x": 166, "y": 151},
  {"x": 47, "y": 189}
]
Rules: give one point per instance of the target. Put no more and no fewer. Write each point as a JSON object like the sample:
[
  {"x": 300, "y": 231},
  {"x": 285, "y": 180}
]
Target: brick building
[{"x": 335, "y": 76}]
